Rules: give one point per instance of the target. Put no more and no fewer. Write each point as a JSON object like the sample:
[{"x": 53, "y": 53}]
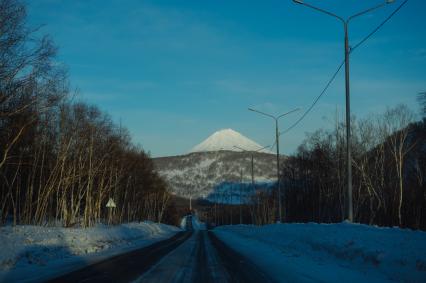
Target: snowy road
[
  {"x": 152, "y": 252},
  {"x": 193, "y": 261},
  {"x": 125, "y": 267},
  {"x": 193, "y": 256},
  {"x": 203, "y": 258}
]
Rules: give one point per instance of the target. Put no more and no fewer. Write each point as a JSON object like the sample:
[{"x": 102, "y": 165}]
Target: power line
[
  {"x": 378, "y": 27},
  {"x": 341, "y": 64},
  {"x": 316, "y": 100}
]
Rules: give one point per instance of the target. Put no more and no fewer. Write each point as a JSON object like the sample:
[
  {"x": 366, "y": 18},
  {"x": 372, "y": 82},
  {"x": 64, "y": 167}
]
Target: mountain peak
[{"x": 227, "y": 139}]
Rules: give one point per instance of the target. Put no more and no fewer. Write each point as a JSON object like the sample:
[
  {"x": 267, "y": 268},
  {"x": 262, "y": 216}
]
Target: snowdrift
[
  {"x": 34, "y": 253},
  {"x": 331, "y": 252}
]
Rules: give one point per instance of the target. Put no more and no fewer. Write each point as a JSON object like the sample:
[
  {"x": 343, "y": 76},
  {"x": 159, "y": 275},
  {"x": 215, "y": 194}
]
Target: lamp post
[
  {"x": 252, "y": 171},
  {"x": 277, "y": 136},
  {"x": 349, "y": 205}
]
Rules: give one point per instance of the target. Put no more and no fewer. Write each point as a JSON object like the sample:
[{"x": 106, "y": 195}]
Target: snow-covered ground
[
  {"x": 197, "y": 224},
  {"x": 331, "y": 252},
  {"x": 183, "y": 223},
  {"x": 34, "y": 253}
]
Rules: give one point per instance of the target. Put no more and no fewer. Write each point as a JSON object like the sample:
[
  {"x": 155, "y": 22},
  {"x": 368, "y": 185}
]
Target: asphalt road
[
  {"x": 193, "y": 261},
  {"x": 191, "y": 256},
  {"x": 125, "y": 267}
]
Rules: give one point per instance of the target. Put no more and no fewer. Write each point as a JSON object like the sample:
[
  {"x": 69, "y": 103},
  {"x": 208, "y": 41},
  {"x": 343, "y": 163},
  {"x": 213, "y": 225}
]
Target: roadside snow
[
  {"x": 331, "y": 252},
  {"x": 197, "y": 224},
  {"x": 34, "y": 253},
  {"x": 183, "y": 223}
]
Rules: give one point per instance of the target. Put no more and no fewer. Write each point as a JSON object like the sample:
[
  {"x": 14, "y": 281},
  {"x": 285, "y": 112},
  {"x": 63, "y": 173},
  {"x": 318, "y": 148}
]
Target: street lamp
[
  {"x": 349, "y": 205},
  {"x": 277, "y": 135},
  {"x": 252, "y": 171}
]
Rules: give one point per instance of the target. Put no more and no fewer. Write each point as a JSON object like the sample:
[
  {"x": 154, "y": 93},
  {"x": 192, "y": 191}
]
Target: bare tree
[{"x": 395, "y": 130}]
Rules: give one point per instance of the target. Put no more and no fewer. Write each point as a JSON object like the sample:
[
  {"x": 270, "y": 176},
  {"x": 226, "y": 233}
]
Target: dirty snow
[
  {"x": 341, "y": 252},
  {"x": 34, "y": 253}
]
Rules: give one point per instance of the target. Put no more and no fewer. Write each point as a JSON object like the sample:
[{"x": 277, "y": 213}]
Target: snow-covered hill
[
  {"x": 228, "y": 139},
  {"x": 197, "y": 174},
  {"x": 217, "y": 161}
]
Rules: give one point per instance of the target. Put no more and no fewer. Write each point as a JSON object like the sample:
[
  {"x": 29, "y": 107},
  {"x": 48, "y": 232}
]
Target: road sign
[{"x": 111, "y": 203}]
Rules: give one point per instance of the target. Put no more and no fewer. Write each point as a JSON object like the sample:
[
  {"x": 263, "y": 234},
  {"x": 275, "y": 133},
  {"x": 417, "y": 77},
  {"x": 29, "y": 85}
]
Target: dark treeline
[
  {"x": 258, "y": 206},
  {"x": 389, "y": 166},
  {"x": 60, "y": 161},
  {"x": 389, "y": 169}
]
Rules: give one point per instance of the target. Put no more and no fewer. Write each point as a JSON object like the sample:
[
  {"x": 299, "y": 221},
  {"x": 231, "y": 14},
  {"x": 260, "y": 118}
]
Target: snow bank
[
  {"x": 34, "y": 253},
  {"x": 183, "y": 223},
  {"x": 331, "y": 252},
  {"x": 197, "y": 224}
]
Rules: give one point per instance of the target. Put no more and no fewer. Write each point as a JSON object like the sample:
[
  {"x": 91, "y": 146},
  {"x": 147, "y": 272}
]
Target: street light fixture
[
  {"x": 349, "y": 204},
  {"x": 277, "y": 135}
]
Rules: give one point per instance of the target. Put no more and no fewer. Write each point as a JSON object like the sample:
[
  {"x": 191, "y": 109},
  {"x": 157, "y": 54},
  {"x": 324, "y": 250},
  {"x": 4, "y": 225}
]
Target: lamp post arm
[
  {"x": 240, "y": 148},
  {"x": 263, "y": 148},
  {"x": 246, "y": 150},
  {"x": 320, "y": 10},
  {"x": 294, "y": 110},
  {"x": 340, "y": 18},
  {"x": 260, "y": 112},
  {"x": 366, "y": 11}
]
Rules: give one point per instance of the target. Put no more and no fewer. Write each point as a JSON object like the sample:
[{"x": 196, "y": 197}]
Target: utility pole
[
  {"x": 241, "y": 190},
  {"x": 252, "y": 170},
  {"x": 277, "y": 141},
  {"x": 215, "y": 209},
  {"x": 231, "y": 206},
  {"x": 349, "y": 202},
  {"x": 277, "y": 134}
]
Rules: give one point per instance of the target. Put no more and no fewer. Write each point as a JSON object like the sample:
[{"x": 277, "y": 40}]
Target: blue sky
[{"x": 174, "y": 72}]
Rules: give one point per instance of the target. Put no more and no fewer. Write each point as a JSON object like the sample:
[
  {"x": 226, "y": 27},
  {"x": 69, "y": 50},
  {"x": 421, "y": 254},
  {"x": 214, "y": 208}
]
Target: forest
[
  {"x": 389, "y": 166},
  {"x": 62, "y": 159},
  {"x": 389, "y": 169}
]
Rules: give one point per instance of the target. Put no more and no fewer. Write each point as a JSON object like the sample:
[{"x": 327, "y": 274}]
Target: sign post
[{"x": 110, "y": 204}]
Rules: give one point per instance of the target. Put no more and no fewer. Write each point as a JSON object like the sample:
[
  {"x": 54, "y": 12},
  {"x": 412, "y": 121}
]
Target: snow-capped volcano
[
  {"x": 227, "y": 139},
  {"x": 216, "y": 161}
]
